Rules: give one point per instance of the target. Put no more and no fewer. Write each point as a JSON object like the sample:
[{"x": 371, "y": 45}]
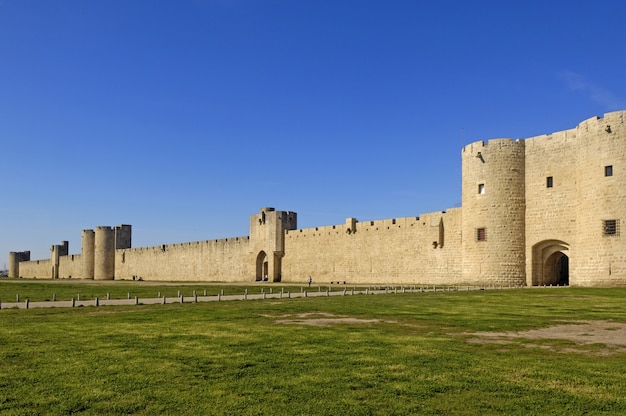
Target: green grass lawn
[{"x": 366, "y": 355}]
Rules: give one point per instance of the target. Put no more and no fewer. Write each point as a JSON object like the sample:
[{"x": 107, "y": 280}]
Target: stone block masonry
[
  {"x": 403, "y": 250},
  {"x": 212, "y": 260}
]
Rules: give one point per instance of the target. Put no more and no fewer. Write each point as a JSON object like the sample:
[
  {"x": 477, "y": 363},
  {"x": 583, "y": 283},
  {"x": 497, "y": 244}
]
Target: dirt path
[{"x": 580, "y": 333}]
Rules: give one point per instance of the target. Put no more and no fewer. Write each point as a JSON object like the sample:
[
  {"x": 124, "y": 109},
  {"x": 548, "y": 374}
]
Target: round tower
[
  {"x": 88, "y": 244},
  {"x": 104, "y": 253},
  {"x": 15, "y": 257},
  {"x": 14, "y": 265},
  {"x": 493, "y": 224}
]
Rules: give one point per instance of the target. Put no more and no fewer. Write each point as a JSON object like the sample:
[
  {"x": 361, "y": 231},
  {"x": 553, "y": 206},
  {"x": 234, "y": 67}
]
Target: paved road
[
  {"x": 186, "y": 299},
  {"x": 220, "y": 298}
]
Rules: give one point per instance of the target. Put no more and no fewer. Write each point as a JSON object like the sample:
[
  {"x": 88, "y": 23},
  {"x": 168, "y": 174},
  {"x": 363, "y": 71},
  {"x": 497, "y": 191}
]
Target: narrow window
[
  {"x": 481, "y": 234},
  {"x": 549, "y": 182},
  {"x": 608, "y": 170},
  {"x": 481, "y": 188},
  {"x": 610, "y": 227}
]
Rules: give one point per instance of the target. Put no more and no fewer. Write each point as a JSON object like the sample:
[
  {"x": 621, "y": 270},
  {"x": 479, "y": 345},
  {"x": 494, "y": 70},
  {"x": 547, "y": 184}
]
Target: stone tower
[
  {"x": 493, "y": 223},
  {"x": 15, "y": 257},
  {"x": 57, "y": 251},
  {"x": 123, "y": 236},
  {"x": 267, "y": 241},
  {"x": 104, "y": 253},
  {"x": 99, "y": 247},
  {"x": 599, "y": 250},
  {"x": 88, "y": 245}
]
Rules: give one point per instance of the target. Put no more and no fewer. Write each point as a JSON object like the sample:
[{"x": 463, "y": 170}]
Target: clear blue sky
[{"x": 184, "y": 117}]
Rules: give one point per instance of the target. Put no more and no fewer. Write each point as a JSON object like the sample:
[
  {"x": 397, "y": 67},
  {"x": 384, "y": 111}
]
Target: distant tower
[
  {"x": 267, "y": 238},
  {"x": 493, "y": 224},
  {"x": 57, "y": 251},
  {"x": 15, "y": 257},
  {"x": 104, "y": 253},
  {"x": 123, "y": 236},
  {"x": 99, "y": 250},
  {"x": 88, "y": 245}
]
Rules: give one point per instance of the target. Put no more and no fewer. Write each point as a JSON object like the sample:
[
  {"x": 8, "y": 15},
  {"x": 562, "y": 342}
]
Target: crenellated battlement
[
  {"x": 424, "y": 220},
  {"x": 610, "y": 119},
  {"x": 192, "y": 244},
  {"x": 481, "y": 145}
]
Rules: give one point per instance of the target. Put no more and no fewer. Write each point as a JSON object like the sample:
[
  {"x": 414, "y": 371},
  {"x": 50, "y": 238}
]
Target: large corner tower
[{"x": 493, "y": 224}]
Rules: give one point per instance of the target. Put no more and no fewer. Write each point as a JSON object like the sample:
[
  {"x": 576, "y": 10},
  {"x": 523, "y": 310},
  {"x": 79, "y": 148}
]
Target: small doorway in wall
[
  {"x": 556, "y": 270},
  {"x": 262, "y": 267},
  {"x": 563, "y": 270}
]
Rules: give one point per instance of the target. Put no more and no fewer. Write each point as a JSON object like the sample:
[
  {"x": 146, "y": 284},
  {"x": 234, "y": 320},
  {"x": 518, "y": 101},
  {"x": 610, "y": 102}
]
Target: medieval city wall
[
  {"x": 71, "y": 267},
  {"x": 544, "y": 210},
  {"x": 41, "y": 269},
  {"x": 224, "y": 260},
  {"x": 413, "y": 250}
]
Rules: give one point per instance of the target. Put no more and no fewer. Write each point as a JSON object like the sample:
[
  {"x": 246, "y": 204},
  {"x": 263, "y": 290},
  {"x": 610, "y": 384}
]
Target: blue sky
[{"x": 184, "y": 117}]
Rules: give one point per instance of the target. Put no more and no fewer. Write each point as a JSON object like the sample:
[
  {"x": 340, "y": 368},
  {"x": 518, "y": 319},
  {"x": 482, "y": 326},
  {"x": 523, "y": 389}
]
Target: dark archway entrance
[
  {"x": 550, "y": 263},
  {"x": 262, "y": 267},
  {"x": 563, "y": 270},
  {"x": 556, "y": 270}
]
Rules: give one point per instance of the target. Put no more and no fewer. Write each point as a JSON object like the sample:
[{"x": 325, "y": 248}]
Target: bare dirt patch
[
  {"x": 582, "y": 333},
  {"x": 322, "y": 319}
]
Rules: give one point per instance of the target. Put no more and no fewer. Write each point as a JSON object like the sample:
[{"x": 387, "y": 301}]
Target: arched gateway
[
  {"x": 550, "y": 263},
  {"x": 267, "y": 242},
  {"x": 262, "y": 267}
]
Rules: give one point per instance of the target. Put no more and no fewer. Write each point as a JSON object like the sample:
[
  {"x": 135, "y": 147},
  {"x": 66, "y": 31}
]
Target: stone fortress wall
[
  {"x": 212, "y": 260},
  {"x": 580, "y": 214},
  {"x": 543, "y": 210},
  {"x": 422, "y": 249}
]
